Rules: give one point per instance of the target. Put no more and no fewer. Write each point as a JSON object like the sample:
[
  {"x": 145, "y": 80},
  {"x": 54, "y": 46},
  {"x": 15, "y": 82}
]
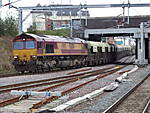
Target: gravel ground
[
  {"x": 86, "y": 89},
  {"x": 65, "y": 98},
  {"x": 5, "y": 96},
  {"x": 127, "y": 60},
  {"x": 105, "y": 101},
  {"x": 136, "y": 101}
]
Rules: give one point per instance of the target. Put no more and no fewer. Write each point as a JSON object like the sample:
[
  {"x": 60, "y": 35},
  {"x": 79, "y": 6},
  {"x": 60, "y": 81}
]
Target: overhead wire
[{"x": 10, "y": 3}]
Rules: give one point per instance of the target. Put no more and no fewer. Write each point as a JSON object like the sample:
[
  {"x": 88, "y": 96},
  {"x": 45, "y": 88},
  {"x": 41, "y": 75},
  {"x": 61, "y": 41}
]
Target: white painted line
[
  {"x": 124, "y": 75},
  {"x": 78, "y": 100},
  {"x": 134, "y": 69}
]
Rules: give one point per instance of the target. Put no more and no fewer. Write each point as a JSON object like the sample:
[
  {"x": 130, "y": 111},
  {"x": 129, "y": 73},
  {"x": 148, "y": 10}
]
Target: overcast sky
[{"x": 93, "y": 12}]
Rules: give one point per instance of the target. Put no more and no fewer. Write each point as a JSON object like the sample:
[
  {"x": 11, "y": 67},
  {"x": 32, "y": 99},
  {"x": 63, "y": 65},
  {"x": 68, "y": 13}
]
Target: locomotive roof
[{"x": 53, "y": 38}]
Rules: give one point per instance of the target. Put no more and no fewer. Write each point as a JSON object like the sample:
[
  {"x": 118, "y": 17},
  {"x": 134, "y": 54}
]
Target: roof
[
  {"x": 114, "y": 22},
  {"x": 54, "y": 38}
]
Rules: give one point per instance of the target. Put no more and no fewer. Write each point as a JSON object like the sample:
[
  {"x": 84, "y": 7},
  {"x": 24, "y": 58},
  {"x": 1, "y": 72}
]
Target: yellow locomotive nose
[
  {"x": 25, "y": 58},
  {"x": 24, "y": 55}
]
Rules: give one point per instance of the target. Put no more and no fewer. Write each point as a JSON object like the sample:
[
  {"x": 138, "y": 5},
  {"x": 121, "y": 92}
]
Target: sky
[{"x": 101, "y": 12}]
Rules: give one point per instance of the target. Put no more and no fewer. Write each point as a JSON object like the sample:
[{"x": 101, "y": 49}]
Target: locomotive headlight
[
  {"x": 15, "y": 57},
  {"x": 33, "y": 57}
]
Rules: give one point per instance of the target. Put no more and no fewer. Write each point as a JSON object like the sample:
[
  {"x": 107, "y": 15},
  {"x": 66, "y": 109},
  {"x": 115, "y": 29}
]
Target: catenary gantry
[{"x": 84, "y": 6}]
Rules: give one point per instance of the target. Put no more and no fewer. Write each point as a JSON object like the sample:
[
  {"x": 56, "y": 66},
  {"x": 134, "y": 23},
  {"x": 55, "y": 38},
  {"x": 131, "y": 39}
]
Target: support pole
[
  {"x": 128, "y": 12},
  {"x": 86, "y": 20},
  {"x": 142, "y": 55},
  {"x": 61, "y": 13},
  {"x": 123, "y": 14},
  {"x": 20, "y": 22},
  {"x": 141, "y": 52},
  {"x": 70, "y": 25},
  {"x": 0, "y": 3}
]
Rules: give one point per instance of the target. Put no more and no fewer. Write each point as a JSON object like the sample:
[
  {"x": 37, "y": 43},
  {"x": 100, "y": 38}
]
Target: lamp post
[
  {"x": 0, "y": 3},
  {"x": 61, "y": 13},
  {"x": 70, "y": 25}
]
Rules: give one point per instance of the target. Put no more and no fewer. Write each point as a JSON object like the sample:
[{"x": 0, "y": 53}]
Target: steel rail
[
  {"x": 79, "y": 71},
  {"x": 120, "y": 100},
  {"x": 16, "y": 99},
  {"x": 146, "y": 107},
  {"x": 50, "y": 99},
  {"x": 35, "y": 73},
  {"x": 32, "y": 85},
  {"x": 8, "y": 75},
  {"x": 124, "y": 71},
  {"x": 56, "y": 78}
]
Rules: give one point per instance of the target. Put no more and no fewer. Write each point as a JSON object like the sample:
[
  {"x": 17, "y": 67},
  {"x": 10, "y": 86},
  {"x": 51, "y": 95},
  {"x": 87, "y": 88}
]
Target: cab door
[{"x": 40, "y": 47}]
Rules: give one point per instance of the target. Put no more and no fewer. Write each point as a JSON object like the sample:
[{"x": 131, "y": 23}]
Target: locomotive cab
[
  {"x": 24, "y": 52},
  {"x": 24, "y": 48}
]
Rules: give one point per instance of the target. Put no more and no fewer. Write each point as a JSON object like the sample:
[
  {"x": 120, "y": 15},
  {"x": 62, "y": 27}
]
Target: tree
[
  {"x": 8, "y": 27},
  {"x": 32, "y": 28},
  {"x": 2, "y": 27}
]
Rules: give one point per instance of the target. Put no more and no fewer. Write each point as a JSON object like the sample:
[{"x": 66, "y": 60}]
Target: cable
[{"x": 10, "y": 3}]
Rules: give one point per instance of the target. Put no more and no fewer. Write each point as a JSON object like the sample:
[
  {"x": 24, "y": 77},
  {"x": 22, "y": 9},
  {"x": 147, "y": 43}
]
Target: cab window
[
  {"x": 29, "y": 44},
  {"x": 39, "y": 45},
  {"x": 18, "y": 45}
]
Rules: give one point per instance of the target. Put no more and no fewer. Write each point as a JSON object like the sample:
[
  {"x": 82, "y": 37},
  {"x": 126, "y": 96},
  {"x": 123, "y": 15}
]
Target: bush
[
  {"x": 60, "y": 32},
  {"x": 8, "y": 27},
  {"x": 6, "y": 55}
]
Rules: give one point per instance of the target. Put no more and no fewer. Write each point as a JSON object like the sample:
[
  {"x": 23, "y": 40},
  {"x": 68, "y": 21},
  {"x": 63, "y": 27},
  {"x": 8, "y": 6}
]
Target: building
[
  {"x": 55, "y": 18},
  {"x": 79, "y": 26}
]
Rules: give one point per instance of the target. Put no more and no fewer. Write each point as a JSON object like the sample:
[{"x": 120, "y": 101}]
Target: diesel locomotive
[{"x": 44, "y": 52}]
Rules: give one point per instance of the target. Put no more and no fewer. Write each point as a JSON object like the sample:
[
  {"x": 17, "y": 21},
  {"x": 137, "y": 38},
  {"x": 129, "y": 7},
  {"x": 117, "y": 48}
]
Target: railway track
[
  {"x": 134, "y": 101},
  {"x": 65, "y": 92},
  {"x": 127, "y": 60},
  {"x": 36, "y": 73},
  {"x": 19, "y": 86}
]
